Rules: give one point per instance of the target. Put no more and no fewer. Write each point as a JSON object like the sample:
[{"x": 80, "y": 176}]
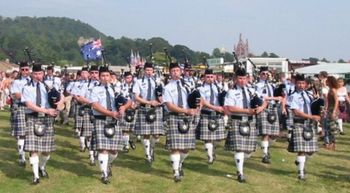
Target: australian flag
[{"x": 92, "y": 50}]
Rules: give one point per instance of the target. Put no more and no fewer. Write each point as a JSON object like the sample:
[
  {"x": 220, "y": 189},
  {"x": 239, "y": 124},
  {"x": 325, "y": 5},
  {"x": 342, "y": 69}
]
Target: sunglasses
[{"x": 25, "y": 69}]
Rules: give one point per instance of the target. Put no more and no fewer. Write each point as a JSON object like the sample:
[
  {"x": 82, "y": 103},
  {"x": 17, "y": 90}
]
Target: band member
[
  {"x": 82, "y": 97},
  {"x": 303, "y": 140},
  {"x": 211, "y": 124},
  {"x": 188, "y": 77},
  {"x": 126, "y": 123},
  {"x": 40, "y": 115},
  {"x": 220, "y": 81},
  {"x": 242, "y": 135},
  {"x": 18, "y": 122},
  {"x": 267, "y": 120},
  {"x": 182, "y": 121},
  {"x": 149, "y": 122},
  {"x": 50, "y": 80},
  {"x": 79, "y": 108},
  {"x": 107, "y": 135}
]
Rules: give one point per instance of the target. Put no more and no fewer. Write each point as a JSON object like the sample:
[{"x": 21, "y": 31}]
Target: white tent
[{"x": 339, "y": 69}]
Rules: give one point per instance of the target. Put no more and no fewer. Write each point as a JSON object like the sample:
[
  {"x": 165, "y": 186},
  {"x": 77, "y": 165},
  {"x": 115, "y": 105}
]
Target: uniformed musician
[
  {"x": 40, "y": 115},
  {"x": 304, "y": 139},
  {"x": 149, "y": 122},
  {"x": 18, "y": 122},
  {"x": 267, "y": 120},
  {"x": 107, "y": 135},
  {"x": 182, "y": 121},
  {"x": 242, "y": 135},
  {"x": 211, "y": 124}
]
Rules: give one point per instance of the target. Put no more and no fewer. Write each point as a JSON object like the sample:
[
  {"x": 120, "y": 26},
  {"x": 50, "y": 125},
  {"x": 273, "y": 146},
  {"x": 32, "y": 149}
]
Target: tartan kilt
[
  {"x": 86, "y": 130},
  {"x": 180, "y": 141},
  {"x": 18, "y": 120},
  {"x": 236, "y": 142},
  {"x": 44, "y": 143},
  {"x": 205, "y": 133},
  {"x": 299, "y": 144},
  {"x": 101, "y": 142},
  {"x": 142, "y": 127},
  {"x": 127, "y": 126},
  {"x": 78, "y": 119},
  {"x": 266, "y": 128}
]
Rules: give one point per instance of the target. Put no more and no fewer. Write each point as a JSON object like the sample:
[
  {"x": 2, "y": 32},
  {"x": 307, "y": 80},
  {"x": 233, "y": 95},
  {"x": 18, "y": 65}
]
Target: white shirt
[{"x": 171, "y": 93}]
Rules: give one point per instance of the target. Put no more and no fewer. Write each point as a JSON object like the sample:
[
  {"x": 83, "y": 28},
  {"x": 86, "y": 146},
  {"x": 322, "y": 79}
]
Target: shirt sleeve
[
  {"x": 93, "y": 97},
  {"x": 293, "y": 102},
  {"x": 136, "y": 88},
  {"x": 26, "y": 93},
  {"x": 167, "y": 96},
  {"x": 15, "y": 88}
]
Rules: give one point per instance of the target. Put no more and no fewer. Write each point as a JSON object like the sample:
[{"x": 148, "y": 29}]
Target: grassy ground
[{"x": 70, "y": 172}]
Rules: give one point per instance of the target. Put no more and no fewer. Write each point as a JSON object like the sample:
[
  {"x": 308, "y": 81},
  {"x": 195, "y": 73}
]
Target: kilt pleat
[
  {"x": 266, "y": 128},
  {"x": 180, "y": 141},
  {"x": 44, "y": 143},
  {"x": 101, "y": 142},
  {"x": 299, "y": 143},
  {"x": 142, "y": 127},
  {"x": 205, "y": 133},
  {"x": 239, "y": 143},
  {"x": 18, "y": 120}
]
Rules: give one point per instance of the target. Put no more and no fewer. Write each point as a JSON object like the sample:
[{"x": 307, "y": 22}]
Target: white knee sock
[
  {"x": 112, "y": 157},
  {"x": 43, "y": 161},
  {"x": 301, "y": 159},
  {"x": 239, "y": 158},
  {"x": 265, "y": 146},
  {"x": 146, "y": 145},
  {"x": 209, "y": 148},
  {"x": 103, "y": 159},
  {"x": 92, "y": 157},
  {"x": 82, "y": 142},
  {"x": 20, "y": 144},
  {"x": 34, "y": 161},
  {"x": 126, "y": 138},
  {"x": 175, "y": 161},
  {"x": 340, "y": 123}
]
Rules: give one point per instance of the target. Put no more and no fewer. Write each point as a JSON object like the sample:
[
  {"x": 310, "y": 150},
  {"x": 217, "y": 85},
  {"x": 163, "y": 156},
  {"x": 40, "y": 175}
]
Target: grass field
[{"x": 69, "y": 170}]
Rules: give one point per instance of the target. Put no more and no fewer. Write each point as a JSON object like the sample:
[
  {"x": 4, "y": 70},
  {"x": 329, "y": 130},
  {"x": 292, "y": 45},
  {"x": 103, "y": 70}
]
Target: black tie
[
  {"x": 306, "y": 110},
  {"x": 211, "y": 94},
  {"x": 38, "y": 95},
  {"x": 245, "y": 100},
  {"x": 268, "y": 90},
  {"x": 149, "y": 90},
  {"x": 179, "y": 95},
  {"x": 109, "y": 105}
]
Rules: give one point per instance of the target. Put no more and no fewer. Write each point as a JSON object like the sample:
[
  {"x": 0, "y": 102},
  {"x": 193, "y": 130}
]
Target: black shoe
[
  {"x": 105, "y": 179},
  {"x": 266, "y": 160},
  {"x": 43, "y": 173},
  {"x": 126, "y": 149},
  {"x": 132, "y": 144},
  {"x": 296, "y": 162},
  {"x": 177, "y": 178},
  {"x": 92, "y": 162},
  {"x": 148, "y": 161},
  {"x": 35, "y": 181},
  {"x": 22, "y": 163},
  {"x": 301, "y": 178},
  {"x": 342, "y": 133},
  {"x": 241, "y": 178},
  {"x": 82, "y": 149}
]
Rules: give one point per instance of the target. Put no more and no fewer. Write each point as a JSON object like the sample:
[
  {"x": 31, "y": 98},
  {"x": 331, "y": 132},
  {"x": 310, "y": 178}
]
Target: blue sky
[{"x": 294, "y": 29}]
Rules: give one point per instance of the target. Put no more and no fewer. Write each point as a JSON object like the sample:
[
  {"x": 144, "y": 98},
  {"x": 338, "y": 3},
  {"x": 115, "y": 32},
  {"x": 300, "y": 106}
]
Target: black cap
[
  {"x": 127, "y": 73},
  {"x": 23, "y": 64},
  {"x": 187, "y": 65},
  {"x": 104, "y": 69},
  {"x": 241, "y": 72},
  {"x": 299, "y": 77},
  {"x": 94, "y": 68},
  {"x": 49, "y": 68},
  {"x": 37, "y": 68},
  {"x": 208, "y": 71},
  {"x": 148, "y": 65},
  {"x": 84, "y": 69},
  {"x": 174, "y": 65},
  {"x": 264, "y": 68}
]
